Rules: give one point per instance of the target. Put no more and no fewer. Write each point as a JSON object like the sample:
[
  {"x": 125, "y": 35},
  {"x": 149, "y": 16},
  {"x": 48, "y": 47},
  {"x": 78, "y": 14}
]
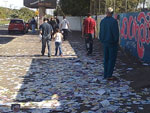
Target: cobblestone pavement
[{"x": 69, "y": 84}]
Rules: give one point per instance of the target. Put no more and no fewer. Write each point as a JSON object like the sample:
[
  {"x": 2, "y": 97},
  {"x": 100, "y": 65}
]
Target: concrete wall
[
  {"x": 98, "y": 20},
  {"x": 135, "y": 34},
  {"x": 75, "y": 22}
]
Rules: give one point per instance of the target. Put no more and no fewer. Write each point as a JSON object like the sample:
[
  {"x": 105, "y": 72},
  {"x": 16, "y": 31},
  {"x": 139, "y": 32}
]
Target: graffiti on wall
[{"x": 135, "y": 28}]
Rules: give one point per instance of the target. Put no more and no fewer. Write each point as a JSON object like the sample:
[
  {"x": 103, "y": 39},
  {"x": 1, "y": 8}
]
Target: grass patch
[{"x": 3, "y": 22}]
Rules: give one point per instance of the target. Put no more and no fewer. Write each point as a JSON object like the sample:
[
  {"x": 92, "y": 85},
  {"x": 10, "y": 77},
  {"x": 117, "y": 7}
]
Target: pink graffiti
[{"x": 137, "y": 28}]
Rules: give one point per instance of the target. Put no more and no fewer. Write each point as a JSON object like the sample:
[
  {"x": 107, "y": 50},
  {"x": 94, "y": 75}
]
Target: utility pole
[
  {"x": 94, "y": 7},
  {"x": 99, "y": 7},
  {"x": 114, "y": 6},
  {"x": 5, "y": 3},
  {"x": 106, "y": 6},
  {"x": 126, "y": 6},
  {"x": 10, "y": 6},
  {"x": 143, "y": 4},
  {"x": 91, "y": 6}
]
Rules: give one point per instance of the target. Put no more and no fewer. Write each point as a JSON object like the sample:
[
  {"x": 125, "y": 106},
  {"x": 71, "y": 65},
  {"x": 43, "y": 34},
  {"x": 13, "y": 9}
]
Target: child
[{"x": 58, "y": 41}]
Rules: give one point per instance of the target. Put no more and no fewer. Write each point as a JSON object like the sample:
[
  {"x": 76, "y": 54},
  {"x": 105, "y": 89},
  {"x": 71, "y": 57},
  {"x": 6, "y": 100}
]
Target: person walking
[
  {"x": 57, "y": 21},
  {"x": 33, "y": 24},
  {"x": 109, "y": 36},
  {"x": 46, "y": 31},
  {"x": 64, "y": 26},
  {"x": 89, "y": 32},
  {"x": 58, "y": 42},
  {"x": 53, "y": 23}
]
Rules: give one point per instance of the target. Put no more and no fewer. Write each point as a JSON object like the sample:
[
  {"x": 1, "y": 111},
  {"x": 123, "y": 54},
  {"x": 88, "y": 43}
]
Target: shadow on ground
[
  {"x": 5, "y": 40},
  {"x": 5, "y": 37},
  {"x": 44, "y": 85}
]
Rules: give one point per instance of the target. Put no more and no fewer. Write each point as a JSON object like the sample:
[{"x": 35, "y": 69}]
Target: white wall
[{"x": 75, "y": 22}]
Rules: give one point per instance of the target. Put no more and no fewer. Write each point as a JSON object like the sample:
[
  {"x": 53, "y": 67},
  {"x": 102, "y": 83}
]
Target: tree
[
  {"x": 82, "y": 7},
  {"x": 75, "y": 7},
  {"x": 119, "y": 6},
  {"x": 4, "y": 12},
  {"x": 23, "y": 13},
  {"x": 26, "y": 14},
  {"x": 58, "y": 11}
]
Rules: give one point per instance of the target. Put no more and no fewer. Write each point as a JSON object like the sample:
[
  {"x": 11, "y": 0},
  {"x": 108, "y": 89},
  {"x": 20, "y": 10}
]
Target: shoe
[
  {"x": 87, "y": 53},
  {"x": 49, "y": 55},
  {"x": 105, "y": 77},
  {"x": 112, "y": 78},
  {"x": 90, "y": 54},
  {"x": 42, "y": 54}
]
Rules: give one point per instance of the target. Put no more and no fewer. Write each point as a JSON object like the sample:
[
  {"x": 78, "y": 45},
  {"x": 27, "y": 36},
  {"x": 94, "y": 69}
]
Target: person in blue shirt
[
  {"x": 33, "y": 24},
  {"x": 109, "y": 37},
  {"x": 46, "y": 31}
]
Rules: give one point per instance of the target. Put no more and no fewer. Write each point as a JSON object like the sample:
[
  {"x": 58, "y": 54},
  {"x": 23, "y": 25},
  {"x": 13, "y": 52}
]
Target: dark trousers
[
  {"x": 89, "y": 43},
  {"x": 58, "y": 46},
  {"x": 110, "y": 55},
  {"x": 44, "y": 42},
  {"x": 65, "y": 33}
]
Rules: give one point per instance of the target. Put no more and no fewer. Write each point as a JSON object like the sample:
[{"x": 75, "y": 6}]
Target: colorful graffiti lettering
[{"x": 137, "y": 27}]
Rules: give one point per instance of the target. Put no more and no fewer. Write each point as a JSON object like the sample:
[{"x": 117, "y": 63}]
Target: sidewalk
[{"x": 69, "y": 84}]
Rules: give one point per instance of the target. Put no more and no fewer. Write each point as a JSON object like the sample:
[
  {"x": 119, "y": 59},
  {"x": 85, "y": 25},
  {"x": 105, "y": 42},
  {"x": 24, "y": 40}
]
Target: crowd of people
[
  {"x": 108, "y": 35},
  {"x": 53, "y": 29}
]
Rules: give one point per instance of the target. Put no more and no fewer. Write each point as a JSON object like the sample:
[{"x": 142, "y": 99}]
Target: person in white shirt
[
  {"x": 58, "y": 42},
  {"x": 64, "y": 26}
]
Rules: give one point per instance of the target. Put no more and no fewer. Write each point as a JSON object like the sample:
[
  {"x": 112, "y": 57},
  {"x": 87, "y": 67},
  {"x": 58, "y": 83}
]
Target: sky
[
  {"x": 17, "y": 4},
  {"x": 13, "y": 4}
]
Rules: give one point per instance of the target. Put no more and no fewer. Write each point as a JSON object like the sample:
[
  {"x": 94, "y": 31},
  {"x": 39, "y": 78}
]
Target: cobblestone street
[{"x": 70, "y": 84}]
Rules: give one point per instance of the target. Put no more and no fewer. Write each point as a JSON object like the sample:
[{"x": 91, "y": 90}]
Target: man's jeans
[
  {"x": 33, "y": 28},
  {"x": 44, "y": 41},
  {"x": 65, "y": 33},
  {"x": 89, "y": 43},
  {"x": 58, "y": 46},
  {"x": 110, "y": 55}
]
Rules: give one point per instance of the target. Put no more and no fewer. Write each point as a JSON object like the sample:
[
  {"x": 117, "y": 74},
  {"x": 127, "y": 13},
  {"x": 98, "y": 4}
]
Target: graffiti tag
[{"x": 137, "y": 28}]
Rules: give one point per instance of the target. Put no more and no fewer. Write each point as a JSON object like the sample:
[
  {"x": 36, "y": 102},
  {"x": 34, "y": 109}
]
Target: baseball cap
[{"x": 110, "y": 10}]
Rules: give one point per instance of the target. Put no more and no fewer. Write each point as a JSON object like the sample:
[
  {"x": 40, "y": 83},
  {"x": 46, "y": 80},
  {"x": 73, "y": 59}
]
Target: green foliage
[
  {"x": 2, "y": 22},
  {"x": 82, "y": 7},
  {"x": 120, "y": 6},
  {"x": 74, "y": 7},
  {"x": 4, "y": 12},
  {"x": 23, "y": 13},
  {"x": 58, "y": 11},
  {"x": 26, "y": 14}
]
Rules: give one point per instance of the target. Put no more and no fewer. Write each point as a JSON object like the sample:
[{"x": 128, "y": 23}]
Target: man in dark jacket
[
  {"x": 53, "y": 23},
  {"x": 46, "y": 31},
  {"x": 57, "y": 21},
  {"x": 109, "y": 36}
]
